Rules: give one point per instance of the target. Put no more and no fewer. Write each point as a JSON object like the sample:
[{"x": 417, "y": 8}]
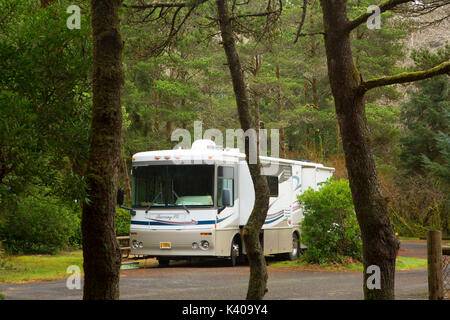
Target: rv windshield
[{"x": 173, "y": 186}]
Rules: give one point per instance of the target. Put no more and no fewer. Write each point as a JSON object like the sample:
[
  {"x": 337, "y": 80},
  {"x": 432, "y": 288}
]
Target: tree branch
[
  {"x": 164, "y": 10},
  {"x": 260, "y": 14},
  {"x": 443, "y": 68},
  {"x": 302, "y": 21},
  {"x": 311, "y": 34},
  {"x": 385, "y": 6},
  {"x": 156, "y": 5},
  {"x": 165, "y": 5}
]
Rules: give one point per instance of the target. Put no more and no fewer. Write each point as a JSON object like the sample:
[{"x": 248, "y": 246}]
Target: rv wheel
[{"x": 163, "y": 262}]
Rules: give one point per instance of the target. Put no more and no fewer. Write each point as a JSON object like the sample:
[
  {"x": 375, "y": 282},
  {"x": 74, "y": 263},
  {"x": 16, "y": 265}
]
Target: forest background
[{"x": 174, "y": 79}]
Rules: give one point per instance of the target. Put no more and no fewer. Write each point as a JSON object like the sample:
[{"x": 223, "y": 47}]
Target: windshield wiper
[
  {"x": 173, "y": 191},
  {"x": 153, "y": 202}
]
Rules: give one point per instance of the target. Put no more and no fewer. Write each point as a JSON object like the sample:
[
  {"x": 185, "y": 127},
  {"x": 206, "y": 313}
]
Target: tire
[
  {"x": 235, "y": 252},
  {"x": 163, "y": 262},
  {"x": 295, "y": 252}
]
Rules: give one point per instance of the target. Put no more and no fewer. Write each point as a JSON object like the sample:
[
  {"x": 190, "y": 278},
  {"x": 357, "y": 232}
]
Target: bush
[
  {"x": 45, "y": 225},
  {"x": 39, "y": 225},
  {"x": 3, "y": 258},
  {"x": 122, "y": 222},
  {"x": 329, "y": 228}
]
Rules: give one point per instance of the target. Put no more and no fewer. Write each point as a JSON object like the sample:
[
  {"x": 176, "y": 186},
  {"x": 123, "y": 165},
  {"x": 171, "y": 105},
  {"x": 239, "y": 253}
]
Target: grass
[
  {"x": 42, "y": 267},
  {"x": 403, "y": 263}
]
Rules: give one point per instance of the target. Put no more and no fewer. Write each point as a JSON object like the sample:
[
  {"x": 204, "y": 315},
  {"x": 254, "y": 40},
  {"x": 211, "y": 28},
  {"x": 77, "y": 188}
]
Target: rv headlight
[
  {"x": 141, "y": 245},
  {"x": 205, "y": 245},
  {"x": 135, "y": 244},
  {"x": 194, "y": 245}
]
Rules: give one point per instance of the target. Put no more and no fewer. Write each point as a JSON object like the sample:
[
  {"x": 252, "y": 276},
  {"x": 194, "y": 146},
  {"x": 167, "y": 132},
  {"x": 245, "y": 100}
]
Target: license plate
[{"x": 165, "y": 245}]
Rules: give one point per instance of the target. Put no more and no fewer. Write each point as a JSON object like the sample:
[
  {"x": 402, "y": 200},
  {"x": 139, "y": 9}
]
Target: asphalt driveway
[{"x": 213, "y": 280}]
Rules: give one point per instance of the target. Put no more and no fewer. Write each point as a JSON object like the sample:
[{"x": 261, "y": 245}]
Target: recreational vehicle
[{"x": 194, "y": 202}]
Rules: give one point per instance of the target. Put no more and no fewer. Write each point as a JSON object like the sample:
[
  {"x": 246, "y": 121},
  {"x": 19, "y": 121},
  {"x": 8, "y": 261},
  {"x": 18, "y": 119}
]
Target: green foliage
[
  {"x": 3, "y": 258},
  {"x": 122, "y": 222},
  {"x": 329, "y": 228},
  {"x": 39, "y": 225},
  {"x": 424, "y": 153},
  {"x": 44, "y": 85},
  {"x": 424, "y": 59},
  {"x": 441, "y": 170},
  {"x": 425, "y": 115},
  {"x": 375, "y": 50},
  {"x": 382, "y": 122},
  {"x": 44, "y": 129},
  {"x": 45, "y": 99}
]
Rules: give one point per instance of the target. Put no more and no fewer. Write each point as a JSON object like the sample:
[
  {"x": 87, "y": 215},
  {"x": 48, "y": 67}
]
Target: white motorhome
[{"x": 194, "y": 202}]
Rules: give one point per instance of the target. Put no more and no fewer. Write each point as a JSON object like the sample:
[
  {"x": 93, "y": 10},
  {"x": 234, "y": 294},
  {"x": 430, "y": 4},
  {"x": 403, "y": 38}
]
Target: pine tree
[{"x": 423, "y": 116}]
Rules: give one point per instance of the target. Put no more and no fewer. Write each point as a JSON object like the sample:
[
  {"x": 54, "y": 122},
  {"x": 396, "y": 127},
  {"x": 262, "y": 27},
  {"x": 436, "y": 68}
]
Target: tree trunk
[
  {"x": 257, "y": 286},
  {"x": 101, "y": 252},
  {"x": 379, "y": 243}
]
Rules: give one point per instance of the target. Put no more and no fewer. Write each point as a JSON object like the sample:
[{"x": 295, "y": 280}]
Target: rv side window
[
  {"x": 273, "y": 185},
  {"x": 225, "y": 186}
]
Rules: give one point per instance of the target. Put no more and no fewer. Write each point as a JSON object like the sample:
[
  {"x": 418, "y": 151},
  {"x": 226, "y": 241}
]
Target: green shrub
[
  {"x": 3, "y": 258},
  {"x": 45, "y": 225},
  {"x": 39, "y": 225},
  {"x": 122, "y": 222},
  {"x": 329, "y": 228}
]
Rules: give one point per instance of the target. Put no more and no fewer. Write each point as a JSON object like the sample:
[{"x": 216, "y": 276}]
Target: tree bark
[
  {"x": 101, "y": 252},
  {"x": 257, "y": 286},
  {"x": 379, "y": 243},
  {"x": 443, "y": 68}
]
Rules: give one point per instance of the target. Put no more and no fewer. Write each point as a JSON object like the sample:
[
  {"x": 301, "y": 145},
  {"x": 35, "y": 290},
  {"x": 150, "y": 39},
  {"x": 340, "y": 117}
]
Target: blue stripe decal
[
  {"x": 220, "y": 220},
  {"x": 140, "y": 222},
  {"x": 206, "y": 222},
  {"x": 274, "y": 219},
  {"x": 154, "y": 223}
]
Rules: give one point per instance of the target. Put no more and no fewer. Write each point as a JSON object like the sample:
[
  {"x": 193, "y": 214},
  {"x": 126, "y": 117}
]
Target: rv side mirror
[
  {"x": 226, "y": 198},
  {"x": 120, "y": 195}
]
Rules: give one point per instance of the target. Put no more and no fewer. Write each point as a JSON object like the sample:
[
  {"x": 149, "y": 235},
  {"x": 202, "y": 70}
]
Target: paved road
[
  {"x": 213, "y": 280},
  {"x": 413, "y": 248}
]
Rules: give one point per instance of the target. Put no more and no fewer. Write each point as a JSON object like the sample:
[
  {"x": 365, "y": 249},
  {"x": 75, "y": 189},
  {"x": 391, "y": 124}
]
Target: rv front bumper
[{"x": 173, "y": 243}]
